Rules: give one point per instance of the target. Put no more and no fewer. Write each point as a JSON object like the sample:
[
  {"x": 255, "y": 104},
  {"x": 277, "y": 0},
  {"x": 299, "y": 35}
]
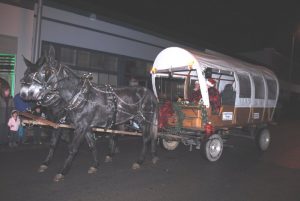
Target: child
[{"x": 13, "y": 124}]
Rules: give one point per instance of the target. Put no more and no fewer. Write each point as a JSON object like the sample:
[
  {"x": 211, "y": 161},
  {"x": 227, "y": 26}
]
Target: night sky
[{"x": 228, "y": 26}]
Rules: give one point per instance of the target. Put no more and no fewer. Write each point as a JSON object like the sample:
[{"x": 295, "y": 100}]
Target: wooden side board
[
  {"x": 192, "y": 118},
  {"x": 229, "y": 116}
]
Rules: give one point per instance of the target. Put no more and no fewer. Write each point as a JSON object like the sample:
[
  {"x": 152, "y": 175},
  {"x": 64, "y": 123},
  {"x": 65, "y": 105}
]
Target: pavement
[
  {"x": 241, "y": 174},
  {"x": 285, "y": 145}
]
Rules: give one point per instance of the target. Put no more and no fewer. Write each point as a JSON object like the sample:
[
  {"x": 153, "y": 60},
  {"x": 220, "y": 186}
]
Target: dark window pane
[
  {"x": 272, "y": 89},
  {"x": 97, "y": 60},
  {"x": 245, "y": 86},
  {"x": 67, "y": 55},
  {"x": 110, "y": 63},
  {"x": 83, "y": 58},
  {"x": 259, "y": 87}
]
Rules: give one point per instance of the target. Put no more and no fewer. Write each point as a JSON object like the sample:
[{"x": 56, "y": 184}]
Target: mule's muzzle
[
  {"x": 24, "y": 92},
  {"x": 31, "y": 92}
]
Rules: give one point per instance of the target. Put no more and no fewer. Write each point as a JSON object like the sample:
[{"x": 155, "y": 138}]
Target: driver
[{"x": 196, "y": 93}]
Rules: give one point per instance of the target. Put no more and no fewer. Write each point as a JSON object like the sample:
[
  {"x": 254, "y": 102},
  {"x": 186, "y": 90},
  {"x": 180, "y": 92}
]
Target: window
[
  {"x": 97, "y": 60},
  {"x": 169, "y": 89},
  {"x": 259, "y": 87},
  {"x": 83, "y": 58},
  {"x": 67, "y": 55},
  {"x": 272, "y": 89},
  {"x": 106, "y": 68},
  {"x": 110, "y": 63},
  {"x": 245, "y": 85},
  {"x": 137, "y": 69}
]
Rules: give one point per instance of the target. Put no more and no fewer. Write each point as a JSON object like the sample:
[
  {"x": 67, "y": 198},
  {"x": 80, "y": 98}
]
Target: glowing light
[
  {"x": 190, "y": 66},
  {"x": 153, "y": 70}
]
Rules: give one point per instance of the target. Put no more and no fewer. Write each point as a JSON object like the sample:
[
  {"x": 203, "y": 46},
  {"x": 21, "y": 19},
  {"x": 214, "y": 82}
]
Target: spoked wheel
[
  {"x": 212, "y": 148},
  {"x": 169, "y": 145},
  {"x": 263, "y": 139}
]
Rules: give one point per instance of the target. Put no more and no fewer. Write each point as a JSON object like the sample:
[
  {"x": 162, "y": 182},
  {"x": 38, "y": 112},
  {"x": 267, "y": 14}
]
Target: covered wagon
[{"x": 235, "y": 96}]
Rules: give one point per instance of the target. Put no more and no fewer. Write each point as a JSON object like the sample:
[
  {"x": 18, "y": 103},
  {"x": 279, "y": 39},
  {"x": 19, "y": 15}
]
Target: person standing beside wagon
[
  {"x": 6, "y": 106},
  {"x": 13, "y": 124}
]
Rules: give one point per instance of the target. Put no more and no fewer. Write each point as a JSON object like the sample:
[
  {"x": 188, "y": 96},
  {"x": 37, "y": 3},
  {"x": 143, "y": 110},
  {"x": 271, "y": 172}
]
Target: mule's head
[
  {"x": 39, "y": 80},
  {"x": 31, "y": 86}
]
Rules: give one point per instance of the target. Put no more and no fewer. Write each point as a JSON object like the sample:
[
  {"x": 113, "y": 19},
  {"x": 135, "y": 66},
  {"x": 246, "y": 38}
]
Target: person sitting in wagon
[
  {"x": 214, "y": 96},
  {"x": 196, "y": 93}
]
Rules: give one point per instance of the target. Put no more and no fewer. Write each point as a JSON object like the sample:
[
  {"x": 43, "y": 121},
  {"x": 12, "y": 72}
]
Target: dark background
[
  {"x": 227, "y": 26},
  {"x": 230, "y": 26}
]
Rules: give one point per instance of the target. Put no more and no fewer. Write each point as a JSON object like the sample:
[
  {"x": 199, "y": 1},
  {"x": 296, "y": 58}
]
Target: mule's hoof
[
  {"x": 108, "y": 159},
  {"x": 155, "y": 160},
  {"x": 136, "y": 166},
  {"x": 43, "y": 168},
  {"x": 92, "y": 170},
  {"x": 58, "y": 177}
]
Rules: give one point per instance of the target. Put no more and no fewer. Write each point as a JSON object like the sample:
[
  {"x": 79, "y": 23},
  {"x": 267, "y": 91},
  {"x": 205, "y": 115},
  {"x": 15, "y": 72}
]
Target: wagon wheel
[
  {"x": 169, "y": 145},
  {"x": 212, "y": 148},
  {"x": 263, "y": 139}
]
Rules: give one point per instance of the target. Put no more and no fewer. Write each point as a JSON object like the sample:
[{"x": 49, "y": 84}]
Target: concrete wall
[
  {"x": 68, "y": 28},
  {"x": 17, "y": 22},
  {"x": 72, "y": 29}
]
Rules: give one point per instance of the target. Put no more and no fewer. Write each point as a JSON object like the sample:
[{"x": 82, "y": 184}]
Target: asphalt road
[{"x": 242, "y": 173}]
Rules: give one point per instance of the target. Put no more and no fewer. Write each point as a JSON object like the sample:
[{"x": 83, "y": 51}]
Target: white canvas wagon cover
[{"x": 176, "y": 58}]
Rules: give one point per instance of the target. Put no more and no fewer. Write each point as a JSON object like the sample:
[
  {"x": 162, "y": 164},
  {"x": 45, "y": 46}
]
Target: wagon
[{"x": 243, "y": 103}]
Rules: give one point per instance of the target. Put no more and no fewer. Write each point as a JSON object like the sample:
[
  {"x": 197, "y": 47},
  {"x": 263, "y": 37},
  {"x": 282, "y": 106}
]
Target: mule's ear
[
  {"x": 30, "y": 66},
  {"x": 51, "y": 54},
  {"x": 27, "y": 62},
  {"x": 40, "y": 61}
]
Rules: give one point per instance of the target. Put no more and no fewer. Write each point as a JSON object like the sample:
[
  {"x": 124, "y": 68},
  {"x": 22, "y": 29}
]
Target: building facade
[{"x": 114, "y": 53}]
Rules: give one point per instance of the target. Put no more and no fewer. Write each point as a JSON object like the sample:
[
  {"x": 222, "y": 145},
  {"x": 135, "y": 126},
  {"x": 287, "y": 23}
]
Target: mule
[
  {"x": 89, "y": 106},
  {"x": 55, "y": 108},
  {"x": 55, "y": 113}
]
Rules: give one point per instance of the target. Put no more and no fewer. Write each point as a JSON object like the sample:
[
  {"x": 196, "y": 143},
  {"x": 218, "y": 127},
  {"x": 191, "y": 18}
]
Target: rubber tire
[
  {"x": 263, "y": 139},
  {"x": 169, "y": 145},
  {"x": 212, "y": 148}
]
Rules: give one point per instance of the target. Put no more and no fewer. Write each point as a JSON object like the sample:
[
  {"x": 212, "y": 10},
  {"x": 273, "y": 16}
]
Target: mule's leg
[
  {"x": 142, "y": 156},
  {"x": 73, "y": 149},
  {"x": 113, "y": 144},
  {"x": 56, "y": 133},
  {"x": 92, "y": 145},
  {"x": 154, "y": 135},
  {"x": 153, "y": 150},
  {"x": 113, "y": 149}
]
